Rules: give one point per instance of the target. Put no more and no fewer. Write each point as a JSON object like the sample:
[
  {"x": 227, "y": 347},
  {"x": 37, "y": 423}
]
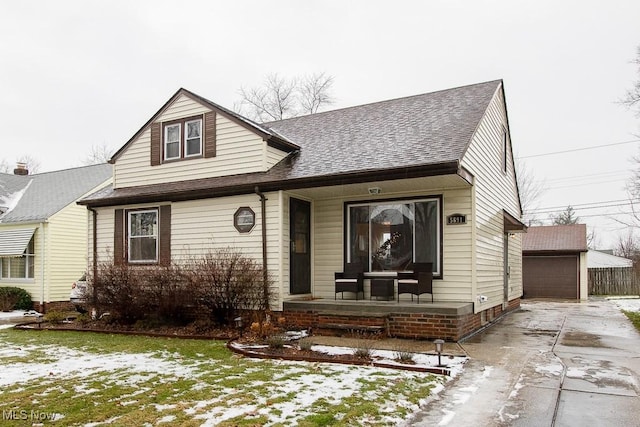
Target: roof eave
[{"x": 353, "y": 177}]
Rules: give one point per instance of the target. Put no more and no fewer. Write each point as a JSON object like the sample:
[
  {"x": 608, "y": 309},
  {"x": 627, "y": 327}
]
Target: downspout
[
  {"x": 42, "y": 251},
  {"x": 94, "y": 254},
  {"x": 263, "y": 209}
]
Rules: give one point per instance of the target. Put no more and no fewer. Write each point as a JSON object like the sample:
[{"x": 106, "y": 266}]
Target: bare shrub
[
  {"x": 168, "y": 289},
  {"x": 117, "y": 289},
  {"x": 55, "y": 317},
  {"x": 276, "y": 341},
  {"x": 305, "y": 344},
  {"x": 403, "y": 354},
  {"x": 228, "y": 283},
  {"x": 363, "y": 349}
]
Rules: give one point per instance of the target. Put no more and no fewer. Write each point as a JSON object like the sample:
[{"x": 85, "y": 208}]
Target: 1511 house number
[{"x": 456, "y": 219}]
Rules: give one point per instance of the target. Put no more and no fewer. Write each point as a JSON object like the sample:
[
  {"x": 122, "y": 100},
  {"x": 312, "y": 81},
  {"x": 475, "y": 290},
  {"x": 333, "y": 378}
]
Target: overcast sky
[{"x": 76, "y": 74}]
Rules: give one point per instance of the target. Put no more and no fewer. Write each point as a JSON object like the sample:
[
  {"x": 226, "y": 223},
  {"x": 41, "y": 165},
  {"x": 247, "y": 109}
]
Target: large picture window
[
  {"x": 19, "y": 267},
  {"x": 390, "y": 235},
  {"x": 143, "y": 236}
]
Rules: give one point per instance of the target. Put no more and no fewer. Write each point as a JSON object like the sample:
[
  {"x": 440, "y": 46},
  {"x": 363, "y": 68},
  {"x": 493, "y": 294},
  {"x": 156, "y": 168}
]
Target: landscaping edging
[
  {"x": 230, "y": 344},
  {"x": 26, "y": 326},
  {"x": 321, "y": 359}
]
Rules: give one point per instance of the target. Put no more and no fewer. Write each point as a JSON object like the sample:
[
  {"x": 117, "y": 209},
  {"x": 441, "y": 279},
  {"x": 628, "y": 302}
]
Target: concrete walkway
[{"x": 548, "y": 364}]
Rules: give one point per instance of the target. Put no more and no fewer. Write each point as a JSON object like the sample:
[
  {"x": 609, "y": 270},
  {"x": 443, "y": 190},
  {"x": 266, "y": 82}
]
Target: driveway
[{"x": 548, "y": 364}]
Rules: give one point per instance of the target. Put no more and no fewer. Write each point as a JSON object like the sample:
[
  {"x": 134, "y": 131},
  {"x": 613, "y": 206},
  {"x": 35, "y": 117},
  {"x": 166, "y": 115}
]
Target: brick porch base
[{"x": 448, "y": 321}]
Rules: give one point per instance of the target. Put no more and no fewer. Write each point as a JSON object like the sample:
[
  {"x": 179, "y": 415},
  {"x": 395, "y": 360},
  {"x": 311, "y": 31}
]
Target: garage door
[{"x": 550, "y": 276}]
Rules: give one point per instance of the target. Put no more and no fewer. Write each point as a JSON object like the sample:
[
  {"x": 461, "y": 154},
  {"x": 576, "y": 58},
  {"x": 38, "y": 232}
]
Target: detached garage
[{"x": 554, "y": 262}]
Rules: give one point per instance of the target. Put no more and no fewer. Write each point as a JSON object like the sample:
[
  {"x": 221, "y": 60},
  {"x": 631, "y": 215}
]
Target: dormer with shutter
[{"x": 191, "y": 138}]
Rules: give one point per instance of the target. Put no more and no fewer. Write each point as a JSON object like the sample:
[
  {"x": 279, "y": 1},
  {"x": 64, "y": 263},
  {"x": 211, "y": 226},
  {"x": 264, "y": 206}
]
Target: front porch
[{"x": 450, "y": 321}]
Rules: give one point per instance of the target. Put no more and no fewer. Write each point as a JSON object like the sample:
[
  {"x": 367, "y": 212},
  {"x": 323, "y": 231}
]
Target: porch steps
[{"x": 339, "y": 323}]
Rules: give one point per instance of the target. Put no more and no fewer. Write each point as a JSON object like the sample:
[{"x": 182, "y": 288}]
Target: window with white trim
[
  {"x": 182, "y": 138},
  {"x": 142, "y": 236},
  {"x": 390, "y": 235},
  {"x": 19, "y": 267},
  {"x": 172, "y": 141},
  {"x": 193, "y": 138}
]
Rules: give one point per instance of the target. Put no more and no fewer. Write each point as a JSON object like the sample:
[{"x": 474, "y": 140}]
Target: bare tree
[
  {"x": 592, "y": 239},
  {"x": 566, "y": 217},
  {"x": 4, "y": 166},
  {"x": 314, "y": 92},
  {"x": 530, "y": 191},
  {"x": 632, "y": 97},
  {"x": 99, "y": 153},
  {"x": 281, "y": 98},
  {"x": 627, "y": 246}
]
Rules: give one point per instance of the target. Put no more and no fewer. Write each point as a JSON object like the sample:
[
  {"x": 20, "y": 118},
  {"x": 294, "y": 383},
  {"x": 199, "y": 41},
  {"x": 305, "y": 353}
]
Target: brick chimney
[{"x": 21, "y": 169}]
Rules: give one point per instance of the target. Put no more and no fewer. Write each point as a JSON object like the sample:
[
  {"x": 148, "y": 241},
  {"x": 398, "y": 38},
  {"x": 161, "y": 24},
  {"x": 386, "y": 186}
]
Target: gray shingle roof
[
  {"x": 40, "y": 196},
  {"x": 405, "y": 137},
  {"x": 417, "y": 130}
]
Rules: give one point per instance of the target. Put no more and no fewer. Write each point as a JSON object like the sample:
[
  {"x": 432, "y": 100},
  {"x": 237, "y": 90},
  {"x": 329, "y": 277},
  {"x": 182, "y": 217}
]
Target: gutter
[{"x": 210, "y": 189}]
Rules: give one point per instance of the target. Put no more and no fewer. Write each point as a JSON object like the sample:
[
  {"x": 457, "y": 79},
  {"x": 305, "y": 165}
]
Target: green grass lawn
[
  {"x": 81, "y": 378},
  {"x": 634, "y": 316}
]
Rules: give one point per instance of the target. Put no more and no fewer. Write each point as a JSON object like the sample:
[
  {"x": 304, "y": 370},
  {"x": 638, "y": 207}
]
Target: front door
[{"x": 300, "y": 247}]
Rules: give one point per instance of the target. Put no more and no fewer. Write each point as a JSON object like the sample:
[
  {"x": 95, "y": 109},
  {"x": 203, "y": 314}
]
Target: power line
[
  {"x": 579, "y": 149},
  {"x": 577, "y": 205}
]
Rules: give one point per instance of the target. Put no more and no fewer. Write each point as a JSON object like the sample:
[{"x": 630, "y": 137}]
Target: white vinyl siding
[
  {"x": 328, "y": 248},
  {"x": 238, "y": 151},
  {"x": 494, "y": 190},
  {"x": 457, "y": 251},
  {"x": 328, "y": 245},
  {"x": 199, "y": 225},
  {"x": 274, "y": 156},
  {"x": 104, "y": 234},
  {"x": 66, "y": 251}
]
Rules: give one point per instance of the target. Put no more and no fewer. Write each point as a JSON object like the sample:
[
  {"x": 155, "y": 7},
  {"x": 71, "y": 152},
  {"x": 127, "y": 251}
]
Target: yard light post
[
  {"x": 238, "y": 321},
  {"x": 439, "y": 347}
]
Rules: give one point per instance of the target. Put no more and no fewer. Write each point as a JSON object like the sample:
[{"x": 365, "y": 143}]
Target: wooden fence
[{"x": 613, "y": 281}]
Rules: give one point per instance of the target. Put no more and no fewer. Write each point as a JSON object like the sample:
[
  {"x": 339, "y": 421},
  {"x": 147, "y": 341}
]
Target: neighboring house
[
  {"x": 43, "y": 232},
  {"x": 599, "y": 259},
  {"x": 431, "y": 175},
  {"x": 554, "y": 262},
  {"x": 611, "y": 275}
]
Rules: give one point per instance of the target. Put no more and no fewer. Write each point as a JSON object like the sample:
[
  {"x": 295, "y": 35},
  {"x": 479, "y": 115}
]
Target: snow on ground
[
  {"x": 627, "y": 304},
  {"x": 325, "y": 382}
]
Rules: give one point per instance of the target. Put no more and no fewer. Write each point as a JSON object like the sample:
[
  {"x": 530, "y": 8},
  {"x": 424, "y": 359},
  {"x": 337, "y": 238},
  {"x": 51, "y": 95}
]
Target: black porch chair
[
  {"x": 350, "y": 280},
  {"x": 417, "y": 282}
]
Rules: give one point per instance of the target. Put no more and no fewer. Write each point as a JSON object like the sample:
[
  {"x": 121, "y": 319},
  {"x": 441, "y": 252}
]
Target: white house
[{"x": 432, "y": 175}]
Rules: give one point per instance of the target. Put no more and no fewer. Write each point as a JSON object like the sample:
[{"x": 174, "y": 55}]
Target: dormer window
[
  {"x": 183, "y": 138},
  {"x": 172, "y": 142},
  {"x": 193, "y": 138}
]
